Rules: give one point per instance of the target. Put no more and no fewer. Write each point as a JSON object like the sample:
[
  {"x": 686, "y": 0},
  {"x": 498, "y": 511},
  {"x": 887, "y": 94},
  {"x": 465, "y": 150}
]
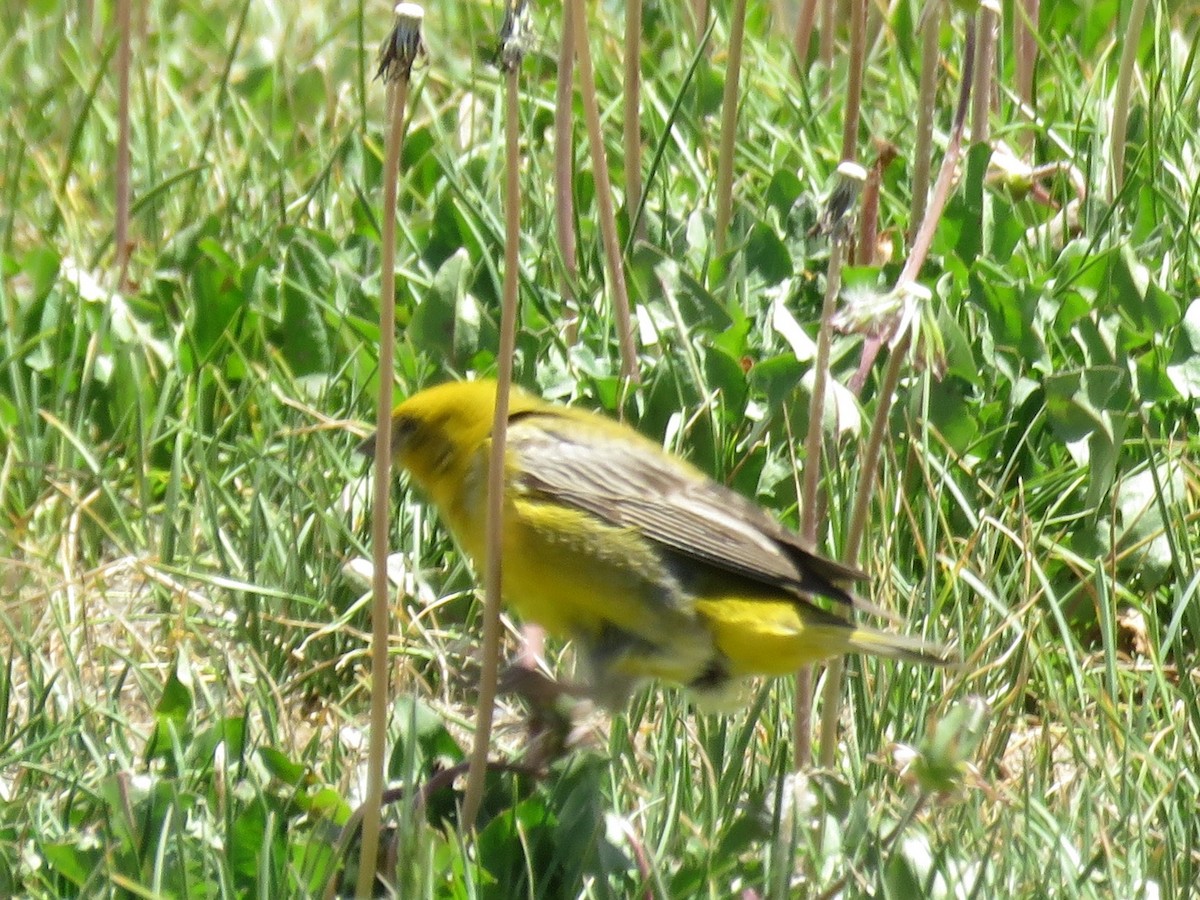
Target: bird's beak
[
  {"x": 401, "y": 429},
  {"x": 367, "y": 447}
]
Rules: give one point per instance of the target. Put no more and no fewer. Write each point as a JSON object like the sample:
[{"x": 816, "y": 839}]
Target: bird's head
[{"x": 437, "y": 431}]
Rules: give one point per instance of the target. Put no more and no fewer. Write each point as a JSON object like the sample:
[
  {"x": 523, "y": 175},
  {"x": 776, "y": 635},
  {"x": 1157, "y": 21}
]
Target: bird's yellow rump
[{"x": 653, "y": 569}]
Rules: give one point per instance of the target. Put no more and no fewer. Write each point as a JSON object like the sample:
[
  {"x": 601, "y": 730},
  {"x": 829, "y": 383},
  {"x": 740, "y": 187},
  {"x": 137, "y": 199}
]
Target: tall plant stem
[
  {"x": 858, "y": 52},
  {"x": 397, "y": 55},
  {"x": 608, "y": 222},
  {"x": 477, "y": 770},
  {"x": 868, "y": 229},
  {"x": 564, "y": 195},
  {"x": 931, "y": 26},
  {"x": 700, "y": 17},
  {"x": 1120, "y": 113},
  {"x": 1025, "y": 24},
  {"x": 810, "y": 487},
  {"x": 803, "y": 36},
  {"x": 633, "y": 106},
  {"x": 989, "y": 19},
  {"x": 828, "y": 30},
  {"x": 380, "y": 593},
  {"x": 121, "y": 225},
  {"x": 729, "y": 120}
]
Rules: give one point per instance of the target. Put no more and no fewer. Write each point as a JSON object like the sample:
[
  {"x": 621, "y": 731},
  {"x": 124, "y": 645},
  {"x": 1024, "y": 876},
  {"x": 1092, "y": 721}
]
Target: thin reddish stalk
[
  {"x": 868, "y": 231},
  {"x": 633, "y": 107},
  {"x": 803, "y": 36},
  {"x": 564, "y": 194}
]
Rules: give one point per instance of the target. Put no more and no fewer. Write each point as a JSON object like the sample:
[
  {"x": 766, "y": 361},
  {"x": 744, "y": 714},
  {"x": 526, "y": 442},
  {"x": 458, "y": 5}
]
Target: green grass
[{"x": 183, "y": 680}]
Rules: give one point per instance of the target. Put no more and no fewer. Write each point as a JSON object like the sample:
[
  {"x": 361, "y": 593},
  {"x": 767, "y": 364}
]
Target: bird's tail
[{"x": 899, "y": 646}]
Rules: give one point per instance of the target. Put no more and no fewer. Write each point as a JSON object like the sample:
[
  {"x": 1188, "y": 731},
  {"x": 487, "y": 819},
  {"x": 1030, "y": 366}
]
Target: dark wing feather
[{"x": 663, "y": 498}]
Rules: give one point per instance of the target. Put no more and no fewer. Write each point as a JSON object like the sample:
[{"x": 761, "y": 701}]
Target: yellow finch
[{"x": 653, "y": 569}]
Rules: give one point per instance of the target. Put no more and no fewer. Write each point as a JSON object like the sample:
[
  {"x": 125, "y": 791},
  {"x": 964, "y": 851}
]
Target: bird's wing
[{"x": 670, "y": 503}]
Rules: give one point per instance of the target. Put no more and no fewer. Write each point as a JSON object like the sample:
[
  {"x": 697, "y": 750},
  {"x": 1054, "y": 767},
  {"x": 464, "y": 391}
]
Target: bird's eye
[{"x": 402, "y": 430}]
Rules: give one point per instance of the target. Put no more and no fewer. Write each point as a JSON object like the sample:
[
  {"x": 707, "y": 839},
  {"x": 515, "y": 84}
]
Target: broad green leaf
[
  {"x": 172, "y": 712},
  {"x": 900, "y": 879},
  {"x": 216, "y": 297},
  {"x": 435, "y": 319},
  {"x": 777, "y": 377},
  {"x": 783, "y": 191},
  {"x": 281, "y": 767},
  {"x": 971, "y": 204},
  {"x": 230, "y": 732},
  {"x": 1184, "y": 367},
  {"x": 41, "y": 266},
  {"x": 328, "y": 802},
  {"x": 70, "y": 861},
  {"x": 768, "y": 255},
  {"x": 950, "y": 413},
  {"x": 422, "y": 728},
  {"x": 725, "y": 374},
  {"x": 306, "y": 283},
  {"x": 960, "y": 354}
]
